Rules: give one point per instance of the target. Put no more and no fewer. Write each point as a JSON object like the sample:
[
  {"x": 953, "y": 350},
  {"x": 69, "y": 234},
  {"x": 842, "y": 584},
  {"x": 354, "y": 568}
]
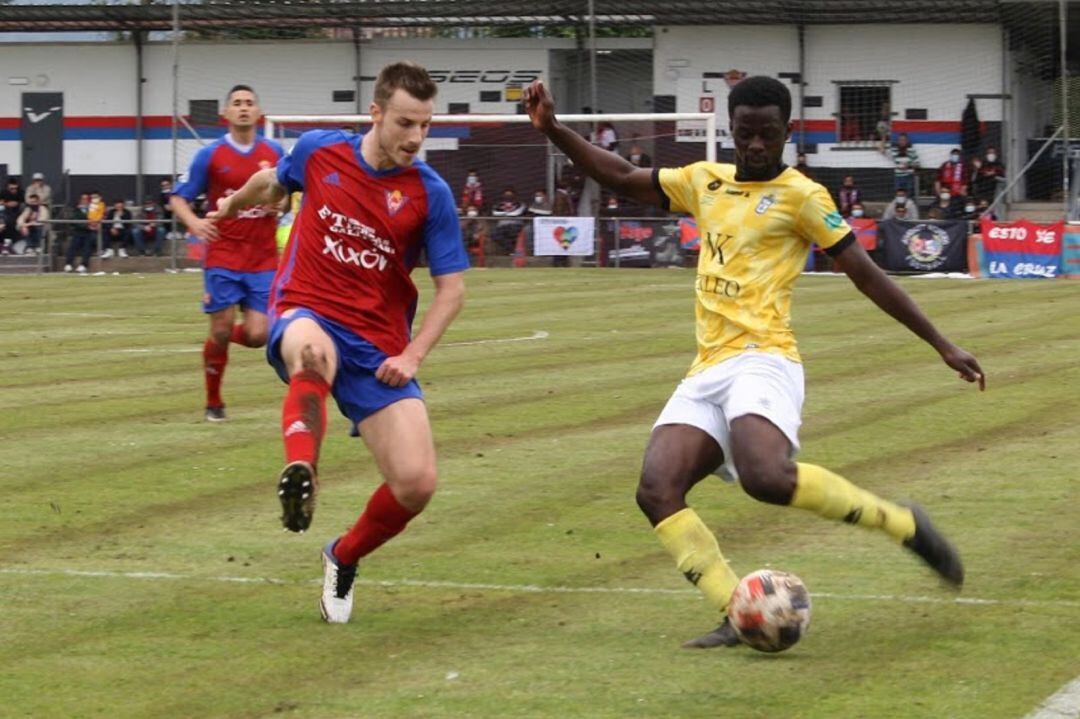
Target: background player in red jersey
[
  {"x": 242, "y": 254},
  {"x": 342, "y": 307}
]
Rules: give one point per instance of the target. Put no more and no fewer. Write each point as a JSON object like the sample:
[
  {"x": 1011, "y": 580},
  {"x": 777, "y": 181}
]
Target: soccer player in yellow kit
[{"x": 738, "y": 411}]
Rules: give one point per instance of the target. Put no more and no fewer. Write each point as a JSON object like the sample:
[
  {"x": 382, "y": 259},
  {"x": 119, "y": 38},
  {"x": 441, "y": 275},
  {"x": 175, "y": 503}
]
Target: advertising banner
[
  {"x": 1021, "y": 249},
  {"x": 564, "y": 236},
  {"x": 924, "y": 246}
]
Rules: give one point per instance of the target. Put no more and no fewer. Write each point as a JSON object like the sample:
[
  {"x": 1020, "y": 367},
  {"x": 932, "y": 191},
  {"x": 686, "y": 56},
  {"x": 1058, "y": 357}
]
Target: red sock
[
  {"x": 303, "y": 416},
  {"x": 383, "y": 519},
  {"x": 238, "y": 335},
  {"x": 215, "y": 358}
]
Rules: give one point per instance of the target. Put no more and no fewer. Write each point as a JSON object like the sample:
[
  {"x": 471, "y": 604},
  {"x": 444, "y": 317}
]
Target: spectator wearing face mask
[
  {"x": 953, "y": 175},
  {"x": 911, "y": 210},
  {"x": 983, "y": 211},
  {"x": 637, "y": 156},
  {"x": 986, "y": 172},
  {"x": 82, "y": 241},
  {"x": 473, "y": 193},
  {"x": 971, "y": 210},
  {"x": 540, "y": 205},
  {"x": 507, "y": 230},
  {"x": 850, "y": 195},
  {"x": 147, "y": 234},
  {"x": 947, "y": 207},
  {"x": 857, "y": 211}
]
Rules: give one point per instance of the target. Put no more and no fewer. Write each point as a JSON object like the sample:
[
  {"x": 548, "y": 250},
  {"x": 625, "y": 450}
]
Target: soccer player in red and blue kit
[
  {"x": 342, "y": 306},
  {"x": 242, "y": 253}
]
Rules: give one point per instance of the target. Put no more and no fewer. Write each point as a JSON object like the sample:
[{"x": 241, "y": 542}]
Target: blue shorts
[
  {"x": 359, "y": 395},
  {"x": 225, "y": 288}
]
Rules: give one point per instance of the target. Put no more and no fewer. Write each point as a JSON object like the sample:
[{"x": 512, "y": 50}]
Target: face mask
[
  {"x": 472, "y": 213},
  {"x": 991, "y": 157},
  {"x": 954, "y": 157},
  {"x": 613, "y": 206},
  {"x": 902, "y": 199},
  {"x": 472, "y": 180},
  {"x": 856, "y": 213},
  {"x": 969, "y": 208},
  {"x": 539, "y": 199},
  {"x": 945, "y": 196}
]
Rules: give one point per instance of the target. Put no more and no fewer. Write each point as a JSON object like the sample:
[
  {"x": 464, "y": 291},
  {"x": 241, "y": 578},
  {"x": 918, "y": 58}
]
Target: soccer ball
[{"x": 770, "y": 610}]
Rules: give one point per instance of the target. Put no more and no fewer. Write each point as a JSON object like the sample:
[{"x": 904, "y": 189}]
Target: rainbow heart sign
[{"x": 565, "y": 236}]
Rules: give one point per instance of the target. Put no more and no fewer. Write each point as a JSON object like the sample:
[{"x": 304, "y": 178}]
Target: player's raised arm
[
  {"x": 886, "y": 294},
  {"x": 605, "y": 167},
  {"x": 262, "y": 188}
]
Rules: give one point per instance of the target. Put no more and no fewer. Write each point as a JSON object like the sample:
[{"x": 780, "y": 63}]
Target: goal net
[{"x": 503, "y": 173}]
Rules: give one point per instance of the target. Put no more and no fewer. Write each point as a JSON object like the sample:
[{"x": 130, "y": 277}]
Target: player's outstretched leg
[
  {"x": 336, "y": 602},
  {"x": 830, "y": 495},
  {"x": 934, "y": 548},
  {"x": 303, "y": 424},
  {"x": 679, "y": 456},
  {"x": 215, "y": 357}
]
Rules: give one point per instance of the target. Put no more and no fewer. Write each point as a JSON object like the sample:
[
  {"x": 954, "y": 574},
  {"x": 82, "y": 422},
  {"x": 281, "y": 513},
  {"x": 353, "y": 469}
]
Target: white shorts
[{"x": 750, "y": 383}]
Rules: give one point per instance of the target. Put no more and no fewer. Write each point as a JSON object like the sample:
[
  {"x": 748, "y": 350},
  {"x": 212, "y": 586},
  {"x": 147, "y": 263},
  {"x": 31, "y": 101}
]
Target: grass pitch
[{"x": 143, "y": 571}]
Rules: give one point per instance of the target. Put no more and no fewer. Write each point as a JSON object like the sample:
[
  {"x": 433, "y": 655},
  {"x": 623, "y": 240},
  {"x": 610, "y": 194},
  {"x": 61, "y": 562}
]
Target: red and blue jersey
[
  {"x": 358, "y": 235},
  {"x": 245, "y": 243}
]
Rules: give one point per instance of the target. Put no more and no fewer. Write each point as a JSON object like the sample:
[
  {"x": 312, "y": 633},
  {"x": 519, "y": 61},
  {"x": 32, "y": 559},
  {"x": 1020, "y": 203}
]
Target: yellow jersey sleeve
[
  {"x": 819, "y": 221},
  {"x": 677, "y": 185}
]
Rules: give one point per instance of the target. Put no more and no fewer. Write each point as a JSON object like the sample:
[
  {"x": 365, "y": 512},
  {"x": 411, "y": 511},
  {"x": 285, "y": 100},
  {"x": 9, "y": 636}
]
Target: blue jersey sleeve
[
  {"x": 442, "y": 230},
  {"x": 291, "y": 168},
  {"x": 194, "y": 182}
]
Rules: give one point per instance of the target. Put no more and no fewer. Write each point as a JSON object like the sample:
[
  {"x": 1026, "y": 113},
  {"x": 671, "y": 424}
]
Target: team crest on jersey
[
  {"x": 766, "y": 202},
  {"x": 395, "y": 201}
]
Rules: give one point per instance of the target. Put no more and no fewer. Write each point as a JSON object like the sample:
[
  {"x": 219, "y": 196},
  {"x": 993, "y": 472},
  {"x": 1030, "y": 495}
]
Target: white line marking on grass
[
  {"x": 1064, "y": 704},
  {"x": 530, "y": 588},
  {"x": 159, "y": 350},
  {"x": 537, "y": 335},
  {"x": 87, "y": 314}
]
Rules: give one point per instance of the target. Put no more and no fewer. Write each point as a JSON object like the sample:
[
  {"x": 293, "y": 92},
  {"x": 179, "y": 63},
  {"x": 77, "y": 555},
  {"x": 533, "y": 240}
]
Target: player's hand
[
  {"x": 966, "y": 364},
  {"x": 204, "y": 228},
  {"x": 225, "y": 210},
  {"x": 540, "y": 106},
  {"x": 397, "y": 371}
]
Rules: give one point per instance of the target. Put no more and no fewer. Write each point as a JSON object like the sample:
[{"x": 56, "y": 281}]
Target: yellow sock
[
  {"x": 697, "y": 555},
  {"x": 831, "y": 496}
]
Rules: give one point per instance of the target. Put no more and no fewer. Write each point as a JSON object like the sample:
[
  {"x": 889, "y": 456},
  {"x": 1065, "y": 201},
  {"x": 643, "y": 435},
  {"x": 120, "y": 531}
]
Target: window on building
[
  {"x": 204, "y": 112},
  {"x": 865, "y": 111}
]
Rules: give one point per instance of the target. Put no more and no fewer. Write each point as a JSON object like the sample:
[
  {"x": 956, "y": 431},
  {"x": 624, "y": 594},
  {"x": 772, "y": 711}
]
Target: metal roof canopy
[{"x": 223, "y": 14}]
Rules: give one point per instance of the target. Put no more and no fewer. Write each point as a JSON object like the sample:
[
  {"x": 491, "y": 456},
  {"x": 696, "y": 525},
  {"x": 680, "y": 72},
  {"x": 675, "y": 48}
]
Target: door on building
[{"x": 43, "y": 139}]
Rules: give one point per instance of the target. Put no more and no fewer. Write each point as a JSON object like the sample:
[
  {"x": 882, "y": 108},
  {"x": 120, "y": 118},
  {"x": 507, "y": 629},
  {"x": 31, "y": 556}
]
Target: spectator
[
  {"x": 911, "y": 210},
  {"x": 572, "y": 180},
  {"x": 541, "y": 206},
  {"x": 164, "y": 196},
  {"x": 947, "y": 207},
  {"x": 638, "y": 156},
  {"x": 11, "y": 198},
  {"x": 850, "y": 127},
  {"x": 801, "y": 166},
  {"x": 850, "y": 195},
  {"x": 857, "y": 210},
  {"x": 31, "y": 223},
  {"x": 983, "y": 210},
  {"x": 148, "y": 231},
  {"x": 604, "y": 136},
  {"x": 883, "y": 128},
  {"x": 474, "y": 231},
  {"x": 82, "y": 241},
  {"x": 905, "y": 162},
  {"x": 38, "y": 187},
  {"x": 985, "y": 173},
  {"x": 95, "y": 213},
  {"x": 971, "y": 210},
  {"x": 507, "y": 230},
  {"x": 563, "y": 204},
  {"x": 117, "y": 221},
  {"x": 953, "y": 175},
  {"x": 473, "y": 194},
  {"x": 899, "y": 212}
]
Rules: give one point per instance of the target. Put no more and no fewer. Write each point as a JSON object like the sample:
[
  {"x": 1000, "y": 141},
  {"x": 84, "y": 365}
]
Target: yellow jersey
[{"x": 755, "y": 238}]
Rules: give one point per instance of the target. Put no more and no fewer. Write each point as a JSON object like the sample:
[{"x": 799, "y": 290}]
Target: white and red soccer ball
[{"x": 770, "y": 610}]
